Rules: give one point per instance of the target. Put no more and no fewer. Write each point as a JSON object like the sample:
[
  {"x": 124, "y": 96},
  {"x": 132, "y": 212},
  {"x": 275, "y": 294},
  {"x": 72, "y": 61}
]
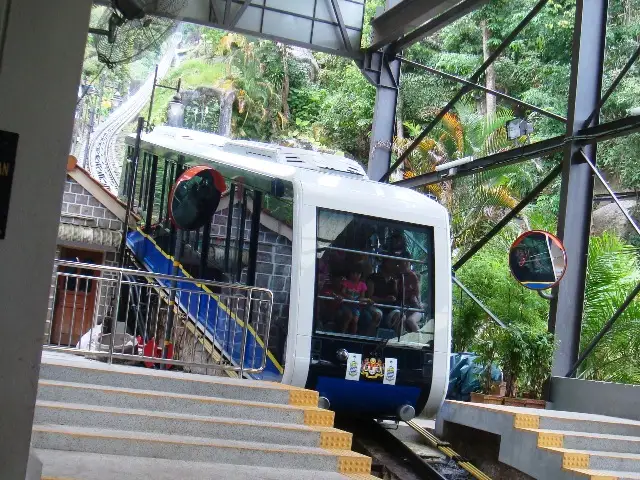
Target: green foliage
[
  {"x": 487, "y": 275},
  {"x": 612, "y": 272},
  {"x": 306, "y": 104},
  {"x": 193, "y": 73},
  {"x": 346, "y": 111}
]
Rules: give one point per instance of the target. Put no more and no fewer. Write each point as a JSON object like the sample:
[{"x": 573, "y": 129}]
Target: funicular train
[{"x": 360, "y": 271}]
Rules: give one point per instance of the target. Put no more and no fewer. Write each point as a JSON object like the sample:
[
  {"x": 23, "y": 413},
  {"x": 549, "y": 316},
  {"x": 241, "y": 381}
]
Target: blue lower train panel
[
  {"x": 221, "y": 325},
  {"x": 366, "y": 398}
]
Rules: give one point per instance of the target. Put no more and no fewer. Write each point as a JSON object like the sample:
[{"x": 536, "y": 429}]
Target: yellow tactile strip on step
[
  {"x": 318, "y": 417},
  {"x": 594, "y": 474},
  {"x": 546, "y": 439},
  {"x": 525, "y": 420},
  {"x": 575, "y": 460},
  {"x": 303, "y": 398},
  {"x": 350, "y": 464},
  {"x": 336, "y": 440}
]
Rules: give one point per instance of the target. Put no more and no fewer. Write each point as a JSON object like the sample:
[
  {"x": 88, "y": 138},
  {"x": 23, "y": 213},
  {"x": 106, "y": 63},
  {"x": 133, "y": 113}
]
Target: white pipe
[{"x": 455, "y": 163}]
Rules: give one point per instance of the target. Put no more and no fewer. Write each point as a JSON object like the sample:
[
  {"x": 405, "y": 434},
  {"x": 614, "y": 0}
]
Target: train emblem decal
[
  {"x": 372, "y": 368},
  {"x": 390, "y": 374},
  {"x": 353, "y": 367}
]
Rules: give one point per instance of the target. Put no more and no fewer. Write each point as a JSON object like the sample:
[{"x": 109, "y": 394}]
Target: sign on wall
[{"x": 8, "y": 149}]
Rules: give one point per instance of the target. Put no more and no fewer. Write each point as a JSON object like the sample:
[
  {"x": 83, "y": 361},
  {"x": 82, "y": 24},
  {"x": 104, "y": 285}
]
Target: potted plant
[
  {"x": 515, "y": 355},
  {"x": 541, "y": 348},
  {"x": 488, "y": 348}
]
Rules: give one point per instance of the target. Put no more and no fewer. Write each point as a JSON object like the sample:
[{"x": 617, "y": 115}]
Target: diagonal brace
[
  {"x": 613, "y": 86},
  {"x": 476, "y": 86},
  {"x": 478, "y": 302},
  {"x": 509, "y": 216}
]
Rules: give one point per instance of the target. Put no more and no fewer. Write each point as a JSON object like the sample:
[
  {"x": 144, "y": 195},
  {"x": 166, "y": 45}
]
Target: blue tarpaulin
[{"x": 466, "y": 374}]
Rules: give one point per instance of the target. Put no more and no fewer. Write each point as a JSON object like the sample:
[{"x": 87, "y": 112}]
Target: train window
[{"x": 375, "y": 278}]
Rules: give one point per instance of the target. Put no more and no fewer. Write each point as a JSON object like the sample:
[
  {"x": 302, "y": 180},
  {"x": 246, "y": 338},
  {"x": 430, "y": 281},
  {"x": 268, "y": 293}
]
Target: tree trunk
[
  {"x": 226, "y": 113},
  {"x": 490, "y": 74},
  {"x": 285, "y": 82}
]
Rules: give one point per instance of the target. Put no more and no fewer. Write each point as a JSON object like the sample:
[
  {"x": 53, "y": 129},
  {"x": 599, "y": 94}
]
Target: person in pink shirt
[{"x": 353, "y": 288}]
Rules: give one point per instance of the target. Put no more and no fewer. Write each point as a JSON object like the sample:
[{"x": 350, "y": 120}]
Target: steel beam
[
  {"x": 384, "y": 115},
  {"x": 515, "y": 155},
  {"x": 239, "y": 13},
  {"x": 404, "y": 17},
  {"x": 607, "y": 131},
  {"x": 437, "y": 23},
  {"x": 612, "y": 194},
  {"x": 576, "y": 194},
  {"x": 478, "y": 302},
  {"x": 343, "y": 28}
]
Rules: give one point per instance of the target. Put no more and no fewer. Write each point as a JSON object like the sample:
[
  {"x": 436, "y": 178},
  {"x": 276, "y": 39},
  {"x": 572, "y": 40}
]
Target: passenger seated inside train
[
  {"x": 353, "y": 290},
  {"x": 409, "y": 286},
  {"x": 383, "y": 273}
]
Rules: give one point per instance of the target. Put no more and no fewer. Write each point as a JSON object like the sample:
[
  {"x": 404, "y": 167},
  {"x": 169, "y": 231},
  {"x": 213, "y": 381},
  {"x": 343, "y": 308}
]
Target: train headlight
[{"x": 342, "y": 355}]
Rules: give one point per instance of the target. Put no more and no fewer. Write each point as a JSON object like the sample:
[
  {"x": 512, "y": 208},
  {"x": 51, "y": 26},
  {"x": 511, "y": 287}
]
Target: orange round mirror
[
  {"x": 195, "y": 197},
  {"x": 537, "y": 260}
]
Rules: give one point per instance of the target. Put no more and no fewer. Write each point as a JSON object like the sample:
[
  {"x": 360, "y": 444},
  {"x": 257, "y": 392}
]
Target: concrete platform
[
  {"x": 550, "y": 444},
  {"x": 97, "y": 421},
  {"x": 93, "y": 466}
]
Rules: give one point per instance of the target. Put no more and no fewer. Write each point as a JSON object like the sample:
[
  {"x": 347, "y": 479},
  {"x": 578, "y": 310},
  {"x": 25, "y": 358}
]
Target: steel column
[
  {"x": 132, "y": 191},
  {"x": 384, "y": 118},
  {"x": 576, "y": 195},
  {"x": 255, "y": 236},
  {"x": 151, "y": 193}
]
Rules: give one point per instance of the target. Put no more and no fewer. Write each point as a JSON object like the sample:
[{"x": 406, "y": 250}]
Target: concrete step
[
  {"x": 196, "y": 449},
  {"x": 81, "y": 370},
  {"x": 467, "y": 413},
  {"x": 581, "y": 422},
  {"x": 598, "y": 460},
  {"x": 107, "y": 417},
  {"x": 584, "y": 474},
  {"x": 587, "y": 441},
  {"x": 59, "y": 465},
  {"x": 68, "y": 392}
]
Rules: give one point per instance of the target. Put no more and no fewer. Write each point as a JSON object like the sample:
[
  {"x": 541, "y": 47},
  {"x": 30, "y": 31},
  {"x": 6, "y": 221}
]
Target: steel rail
[{"x": 445, "y": 447}]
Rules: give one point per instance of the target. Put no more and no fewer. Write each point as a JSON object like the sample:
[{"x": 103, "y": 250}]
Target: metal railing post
[
  {"x": 114, "y": 319},
  {"x": 245, "y": 331}
]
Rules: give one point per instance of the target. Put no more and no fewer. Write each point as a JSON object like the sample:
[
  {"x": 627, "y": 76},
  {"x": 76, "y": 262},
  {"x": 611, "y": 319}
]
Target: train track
[
  {"x": 103, "y": 160},
  {"x": 393, "y": 459}
]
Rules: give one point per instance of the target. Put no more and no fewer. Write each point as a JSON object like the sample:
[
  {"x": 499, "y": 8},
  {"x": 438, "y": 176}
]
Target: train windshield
[{"x": 375, "y": 279}]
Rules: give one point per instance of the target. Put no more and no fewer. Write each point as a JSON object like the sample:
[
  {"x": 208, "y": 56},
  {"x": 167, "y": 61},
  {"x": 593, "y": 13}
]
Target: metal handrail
[
  {"x": 372, "y": 304},
  {"x": 372, "y": 254},
  {"x": 227, "y": 324}
]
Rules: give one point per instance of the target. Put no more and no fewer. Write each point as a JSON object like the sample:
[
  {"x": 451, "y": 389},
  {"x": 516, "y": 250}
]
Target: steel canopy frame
[{"x": 578, "y": 167}]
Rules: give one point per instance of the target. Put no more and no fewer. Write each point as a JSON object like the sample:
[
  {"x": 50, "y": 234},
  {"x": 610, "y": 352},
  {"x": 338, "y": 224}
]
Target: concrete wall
[
  {"x": 602, "y": 398},
  {"x": 39, "y": 76}
]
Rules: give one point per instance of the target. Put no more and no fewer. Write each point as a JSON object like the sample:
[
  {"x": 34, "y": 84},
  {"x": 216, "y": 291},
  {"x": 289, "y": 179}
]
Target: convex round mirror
[
  {"x": 537, "y": 260},
  {"x": 195, "y": 197}
]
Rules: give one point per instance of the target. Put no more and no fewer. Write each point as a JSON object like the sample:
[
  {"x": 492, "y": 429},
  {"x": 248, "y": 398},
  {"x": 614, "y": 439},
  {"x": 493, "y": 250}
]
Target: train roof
[{"x": 318, "y": 172}]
